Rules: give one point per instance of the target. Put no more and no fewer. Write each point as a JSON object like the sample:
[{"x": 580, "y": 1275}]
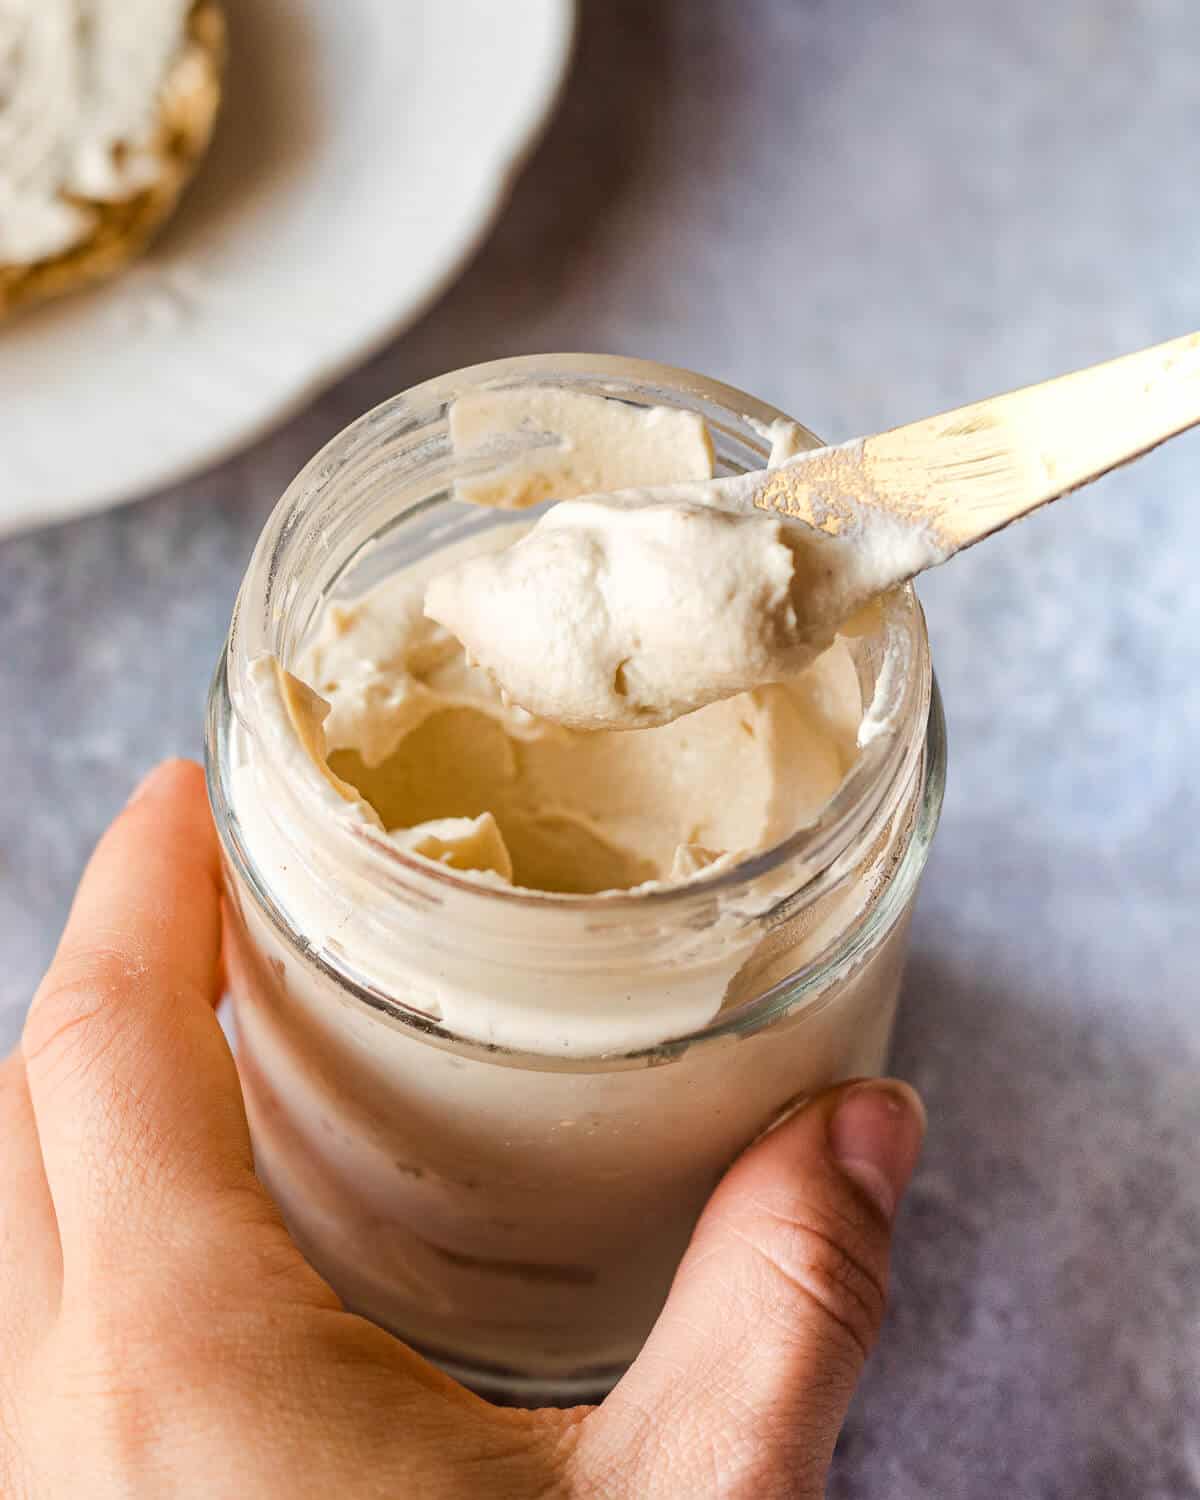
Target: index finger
[{"x": 133, "y": 1086}]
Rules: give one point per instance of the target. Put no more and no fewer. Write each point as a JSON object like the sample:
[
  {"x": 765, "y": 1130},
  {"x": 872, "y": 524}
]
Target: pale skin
[{"x": 161, "y": 1336}]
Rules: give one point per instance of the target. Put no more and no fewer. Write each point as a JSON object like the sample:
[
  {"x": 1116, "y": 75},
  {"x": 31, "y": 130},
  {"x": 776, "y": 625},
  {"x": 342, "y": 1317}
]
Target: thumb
[{"x": 744, "y": 1382}]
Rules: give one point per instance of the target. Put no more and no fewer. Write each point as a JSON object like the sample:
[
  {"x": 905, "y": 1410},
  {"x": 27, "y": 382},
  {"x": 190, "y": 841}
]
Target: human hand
[{"x": 162, "y": 1336}]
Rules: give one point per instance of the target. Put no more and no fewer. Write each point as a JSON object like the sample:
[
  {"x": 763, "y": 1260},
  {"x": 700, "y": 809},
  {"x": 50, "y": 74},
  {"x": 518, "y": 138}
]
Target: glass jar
[{"x": 515, "y": 1209}]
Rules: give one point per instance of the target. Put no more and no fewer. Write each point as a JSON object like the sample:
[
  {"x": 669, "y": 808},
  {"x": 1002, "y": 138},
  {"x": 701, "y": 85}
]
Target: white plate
[{"x": 364, "y": 149}]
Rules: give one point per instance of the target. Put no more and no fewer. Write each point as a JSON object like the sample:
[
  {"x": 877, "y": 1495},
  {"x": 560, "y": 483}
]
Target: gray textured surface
[{"x": 862, "y": 210}]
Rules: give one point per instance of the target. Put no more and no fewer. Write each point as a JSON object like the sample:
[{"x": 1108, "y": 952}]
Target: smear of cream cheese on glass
[
  {"x": 80, "y": 82},
  {"x": 570, "y": 443}
]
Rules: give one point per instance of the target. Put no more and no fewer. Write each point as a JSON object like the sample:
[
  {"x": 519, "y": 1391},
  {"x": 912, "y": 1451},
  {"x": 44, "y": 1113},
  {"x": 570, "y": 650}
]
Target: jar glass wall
[{"x": 514, "y": 1203}]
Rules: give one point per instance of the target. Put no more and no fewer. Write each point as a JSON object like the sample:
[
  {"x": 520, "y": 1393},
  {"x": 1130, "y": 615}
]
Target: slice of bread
[{"x": 121, "y": 229}]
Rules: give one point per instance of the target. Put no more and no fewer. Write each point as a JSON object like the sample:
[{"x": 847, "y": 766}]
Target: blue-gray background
[{"x": 863, "y": 211}]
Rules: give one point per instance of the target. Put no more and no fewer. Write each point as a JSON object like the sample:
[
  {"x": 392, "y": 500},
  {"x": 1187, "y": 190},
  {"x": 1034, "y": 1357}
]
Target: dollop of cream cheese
[
  {"x": 609, "y": 615},
  {"x": 80, "y": 83},
  {"x": 631, "y": 609}
]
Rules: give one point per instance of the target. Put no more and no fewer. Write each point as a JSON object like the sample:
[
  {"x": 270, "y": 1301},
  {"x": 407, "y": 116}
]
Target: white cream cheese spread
[
  {"x": 549, "y": 443},
  {"x": 453, "y": 772},
  {"x": 80, "y": 83},
  {"x": 630, "y": 609}
]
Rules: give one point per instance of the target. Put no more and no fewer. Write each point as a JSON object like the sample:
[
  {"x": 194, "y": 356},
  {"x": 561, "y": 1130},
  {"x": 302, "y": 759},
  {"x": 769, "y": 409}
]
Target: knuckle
[
  {"x": 838, "y": 1277},
  {"x": 119, "y": 1416},
  {"x": 94, "y": 1405},
  {"x": 74, "y": 1014}
]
